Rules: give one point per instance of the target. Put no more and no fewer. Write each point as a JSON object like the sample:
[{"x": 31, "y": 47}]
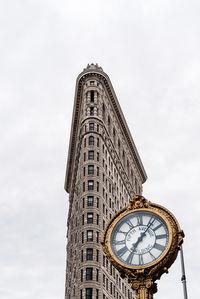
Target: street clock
[{"x": 142, "y": 241}]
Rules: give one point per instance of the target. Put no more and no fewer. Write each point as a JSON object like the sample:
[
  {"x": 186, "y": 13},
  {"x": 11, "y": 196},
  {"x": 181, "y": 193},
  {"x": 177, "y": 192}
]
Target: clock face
[{"x": 139, "y": 238}]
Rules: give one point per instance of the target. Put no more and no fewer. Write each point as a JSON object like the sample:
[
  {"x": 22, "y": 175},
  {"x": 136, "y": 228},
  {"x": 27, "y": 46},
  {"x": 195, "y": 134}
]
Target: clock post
[{"x": 142, "y": 241}]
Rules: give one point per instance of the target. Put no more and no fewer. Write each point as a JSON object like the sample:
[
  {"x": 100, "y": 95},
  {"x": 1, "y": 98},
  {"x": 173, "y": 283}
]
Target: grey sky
[{"x": 150, "y": 50}]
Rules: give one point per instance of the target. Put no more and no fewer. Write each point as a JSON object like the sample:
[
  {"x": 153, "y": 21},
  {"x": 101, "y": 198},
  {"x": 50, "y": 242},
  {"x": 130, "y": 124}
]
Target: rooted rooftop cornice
[{"x": 93, "y": 66}]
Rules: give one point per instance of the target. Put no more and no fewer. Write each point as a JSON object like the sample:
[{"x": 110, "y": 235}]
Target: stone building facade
[{"x": 104, "y": 171}]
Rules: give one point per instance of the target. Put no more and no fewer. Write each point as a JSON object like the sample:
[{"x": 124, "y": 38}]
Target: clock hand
[
  {"x": 142, "y": 235},
  {"x": 138, "y": 241}
]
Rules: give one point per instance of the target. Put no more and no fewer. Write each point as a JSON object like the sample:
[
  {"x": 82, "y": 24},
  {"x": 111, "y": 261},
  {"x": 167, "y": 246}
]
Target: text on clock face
[{"x": 139, "y": 238}]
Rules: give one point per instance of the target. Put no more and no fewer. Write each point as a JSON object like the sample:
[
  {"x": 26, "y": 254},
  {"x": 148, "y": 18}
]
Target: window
[
  {"x": 89, "y": 293},
  {"x": 81, "y": 274},
  {"x": 90, "y": 235},
  {"x": 97, "y": 219},
  {"x": 81, "y": 294},
  {"x": 104, "y": 278},
  {"x": 91, "y": 140},
  {"x": 97, "y": 294},
  {"x": 103, "y": 112},
  {"x": 128, "y": 167},
  {"x": 97, "y": 237},
  {"x": 119, "y": 146},
  {"x": 90, "y": 185},
  {"x": 97, "y": 274},
  {"x": 97, "y": 142},
  {"x": 82, "y": 237},
  {"x": 97, "y": 255},
  {"x": 90, "y": 169},
  {"x": 89, "y": 217},
  {"x": 104, "y": 224},
  {"x": 109, "y": 124},
  {"x": 97, "y": 186},
  {"x": 89, "y": 273},
  {"x": 90, "y": 201},
  {"x": 97, "y": 171},
  {"x": 83, "y": 186},
  {"x": 104, "y": 260},
  {"x": 89, "y": 254},
  {"x": 107, "y": 284},
  {"x": 114, "y": 136},
  {"x": 83, "y": 171},
  {"x": 92, "y": 95},
  {"x": 91, "y": 155},
  {"x": 91, "y": 82},
  {"x": 83, "y": 219},
  {"x": 91, "y": 110},
  {"x": 97, "y": 128},
  {"x": 91, "y": 126},
  {"x": 83, "y": 203},
  {"x": 81, "y": 255},
  {"x": 85, "y": 142},
  {"x": 97, "y": 202},
  {"x": 123, "y": 158},
  {"x": 97, "y": 157},
  {"x": 84, "y": 157}
]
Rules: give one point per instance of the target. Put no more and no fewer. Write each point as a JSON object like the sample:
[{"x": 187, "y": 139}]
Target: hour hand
[{"x": 138, "y": 241}]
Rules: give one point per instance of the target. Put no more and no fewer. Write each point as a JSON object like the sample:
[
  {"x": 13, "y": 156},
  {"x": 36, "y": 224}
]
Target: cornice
[{"x": 97, "y": 72}]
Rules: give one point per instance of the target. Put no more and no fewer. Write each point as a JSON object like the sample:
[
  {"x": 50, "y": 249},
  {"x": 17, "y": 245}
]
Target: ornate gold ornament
[{"x": 142, "y": 241}]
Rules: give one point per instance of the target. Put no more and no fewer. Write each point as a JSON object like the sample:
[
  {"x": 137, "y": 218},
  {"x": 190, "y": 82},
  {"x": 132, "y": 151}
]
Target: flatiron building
[{"x": 104, "y": 171}]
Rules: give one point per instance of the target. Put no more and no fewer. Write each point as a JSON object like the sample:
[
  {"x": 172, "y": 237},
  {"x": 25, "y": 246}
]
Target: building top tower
[
  {"x": 103, "y": 173},
  {"x": 94, "y": 71}
]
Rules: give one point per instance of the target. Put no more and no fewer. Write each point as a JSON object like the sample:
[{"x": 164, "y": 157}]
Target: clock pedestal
[{"x": 144, "y": 289}]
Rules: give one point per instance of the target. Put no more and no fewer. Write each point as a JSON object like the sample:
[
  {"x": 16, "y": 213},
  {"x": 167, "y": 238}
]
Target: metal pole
[{"x": 183, "y": 278}]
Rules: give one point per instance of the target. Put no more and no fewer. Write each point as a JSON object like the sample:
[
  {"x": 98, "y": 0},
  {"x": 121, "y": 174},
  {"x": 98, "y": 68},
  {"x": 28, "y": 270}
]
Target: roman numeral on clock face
[
  {"x": 129, "y": 223},
  {"x": 121, "y": 242},
  {"x": 163, "y": 236},
  {"x": 122, "y": 251},
  {"x": 152, "y": 256},
  {"x": 139, "y": 220},
  {"x": 151, "y": 221},
  {"x": 159, "y": 247},
  {"x": 129, "y": 258},
  {"x": 141, "y": 261},
  {"x": 157, "y": 227},
  {"x": 120, "y": 231}
]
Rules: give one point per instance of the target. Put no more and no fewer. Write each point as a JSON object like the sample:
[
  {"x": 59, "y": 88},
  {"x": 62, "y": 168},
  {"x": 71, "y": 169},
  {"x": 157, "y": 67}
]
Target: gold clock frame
[{"x": 142, "y": 278}]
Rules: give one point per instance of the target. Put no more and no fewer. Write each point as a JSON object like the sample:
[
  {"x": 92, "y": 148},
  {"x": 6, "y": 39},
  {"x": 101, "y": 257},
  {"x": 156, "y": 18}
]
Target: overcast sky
[{"x": 151, "y": 52}]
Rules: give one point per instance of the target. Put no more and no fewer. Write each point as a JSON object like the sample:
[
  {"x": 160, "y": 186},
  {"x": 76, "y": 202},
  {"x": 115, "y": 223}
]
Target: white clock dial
[{"x": 139, "y": 238}]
